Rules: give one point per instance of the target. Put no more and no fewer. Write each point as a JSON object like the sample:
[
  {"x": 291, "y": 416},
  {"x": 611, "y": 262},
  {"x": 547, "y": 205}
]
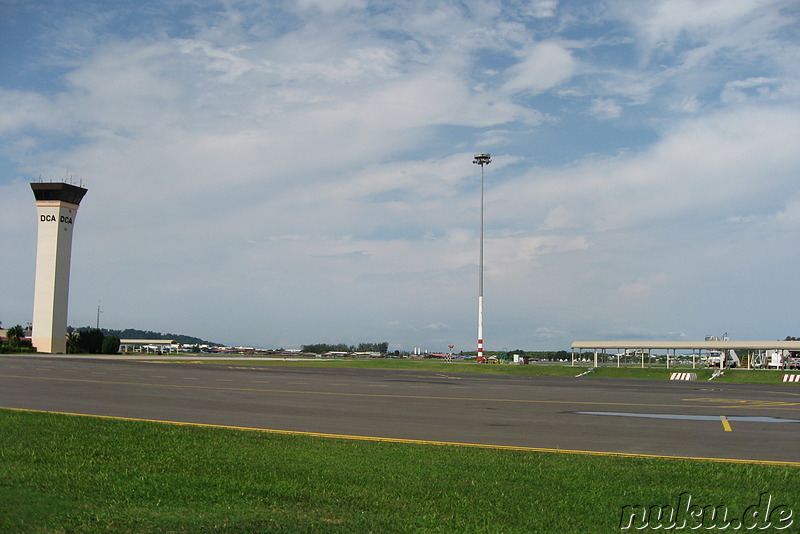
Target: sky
[{"x": 275, "y": 174}]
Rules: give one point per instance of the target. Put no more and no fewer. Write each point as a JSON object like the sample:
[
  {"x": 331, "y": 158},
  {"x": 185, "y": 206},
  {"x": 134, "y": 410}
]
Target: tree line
[
  {"x": 134, "y": 333},
  {"x": 321, "y": 348},
  {"x": 91, "y": 341}
]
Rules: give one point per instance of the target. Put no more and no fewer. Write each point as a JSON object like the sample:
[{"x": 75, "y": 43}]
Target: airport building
[
  {"x": 159, "y": 346},
  {"x": 56, "y": 206},
  {"x": 713, "y": 351}
]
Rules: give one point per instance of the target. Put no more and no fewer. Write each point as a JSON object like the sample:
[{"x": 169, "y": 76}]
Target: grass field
[
  {"x": 747, "y": 376},
  {"x": 63, "y": 473}
]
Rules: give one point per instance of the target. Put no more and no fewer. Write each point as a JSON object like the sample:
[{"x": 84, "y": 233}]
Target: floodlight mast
[{"x": 481, "y": 159}]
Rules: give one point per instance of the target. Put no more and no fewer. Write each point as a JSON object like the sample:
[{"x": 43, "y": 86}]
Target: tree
[
  {"x": 381, "y": 347},
  {"x": 73, "y": 342},
  {"x": 89, "y": 341},
  {"x": 15, "y": 335},
  {"x": 15, "y": 341},
  {"x": 111, "y": 345}
]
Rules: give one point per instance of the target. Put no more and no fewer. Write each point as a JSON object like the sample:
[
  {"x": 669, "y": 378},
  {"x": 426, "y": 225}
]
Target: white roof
[
  {"x": 688, "y": 345},
  {"x": 146, "y": 341}
]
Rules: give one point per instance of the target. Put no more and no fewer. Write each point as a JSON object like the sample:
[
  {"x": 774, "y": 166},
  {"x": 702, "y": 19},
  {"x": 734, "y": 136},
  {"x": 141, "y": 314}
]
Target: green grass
[
  {"x": 744, "y": 376},
  {"x": 434, "y": 365},
  {"x": 741, "y": 376},
  {"x": 63, "y": 473}
]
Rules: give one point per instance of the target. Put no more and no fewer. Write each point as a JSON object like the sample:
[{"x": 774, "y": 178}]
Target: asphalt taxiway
[{"x": 587, "y": 414}]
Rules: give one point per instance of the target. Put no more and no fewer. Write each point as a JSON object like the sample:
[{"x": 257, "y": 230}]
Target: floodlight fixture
[{"x": 482, "y": 159}]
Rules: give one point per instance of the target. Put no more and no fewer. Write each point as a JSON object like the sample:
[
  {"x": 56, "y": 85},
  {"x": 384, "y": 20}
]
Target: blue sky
[{"x": 284, "y": 173}]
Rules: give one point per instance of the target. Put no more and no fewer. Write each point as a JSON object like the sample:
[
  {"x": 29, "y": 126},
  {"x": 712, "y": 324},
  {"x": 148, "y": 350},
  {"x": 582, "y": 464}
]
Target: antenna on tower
[{"x": 98, "y": 315}]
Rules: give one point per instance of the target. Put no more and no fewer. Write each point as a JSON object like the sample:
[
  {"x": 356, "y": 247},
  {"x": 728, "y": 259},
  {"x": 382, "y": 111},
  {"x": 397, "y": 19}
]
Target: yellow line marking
[
  {"x": 419, "y": 441},
  {"x": 374, "y": 395},
  {"x": 774, "y": 392},
  {"x": 725, "y": 424},
  {"x": 190, "y": 378},
  {"x": 748, "y": 402}
]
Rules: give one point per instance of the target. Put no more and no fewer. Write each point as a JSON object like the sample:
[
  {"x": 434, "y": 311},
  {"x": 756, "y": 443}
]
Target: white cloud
[
  {"x": 541, "y": 8},
  {"x": 291, "y": 180},
  {"x": 720, "y": 162},
  {"x": 689, "y": 48},
  {"x": 330, "y": 6},
  {"x": 22, "y": 109},
  {"x": 604, "y": 108},
  {"x": 638, "y": 289},
  {"x": 760, "y": 88},
  {"x": 687, "y": 104},
  {"x": 543, "y": 67},
  {"x": 662, "y": 24}
]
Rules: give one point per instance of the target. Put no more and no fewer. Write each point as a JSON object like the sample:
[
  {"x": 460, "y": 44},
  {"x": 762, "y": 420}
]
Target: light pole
[{"x": 481, "y": 159}]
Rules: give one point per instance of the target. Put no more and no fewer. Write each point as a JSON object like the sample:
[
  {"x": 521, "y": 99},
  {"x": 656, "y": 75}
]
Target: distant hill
[{"x": 133, "y": 333}]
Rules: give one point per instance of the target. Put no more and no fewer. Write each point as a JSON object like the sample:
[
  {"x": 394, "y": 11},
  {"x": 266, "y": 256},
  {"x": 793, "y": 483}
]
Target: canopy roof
[{"x": 688, "y": 345}]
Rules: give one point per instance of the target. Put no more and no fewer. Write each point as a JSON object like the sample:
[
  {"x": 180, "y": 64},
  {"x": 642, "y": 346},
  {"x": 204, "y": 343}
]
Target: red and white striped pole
[
  {"x": 480, "y": 328},
  {"x": 481, "y": 159}
]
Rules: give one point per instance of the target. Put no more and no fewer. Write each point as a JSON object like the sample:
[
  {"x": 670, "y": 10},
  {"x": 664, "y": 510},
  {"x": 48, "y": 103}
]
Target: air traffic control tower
[{"x": 56, "y": 204}]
